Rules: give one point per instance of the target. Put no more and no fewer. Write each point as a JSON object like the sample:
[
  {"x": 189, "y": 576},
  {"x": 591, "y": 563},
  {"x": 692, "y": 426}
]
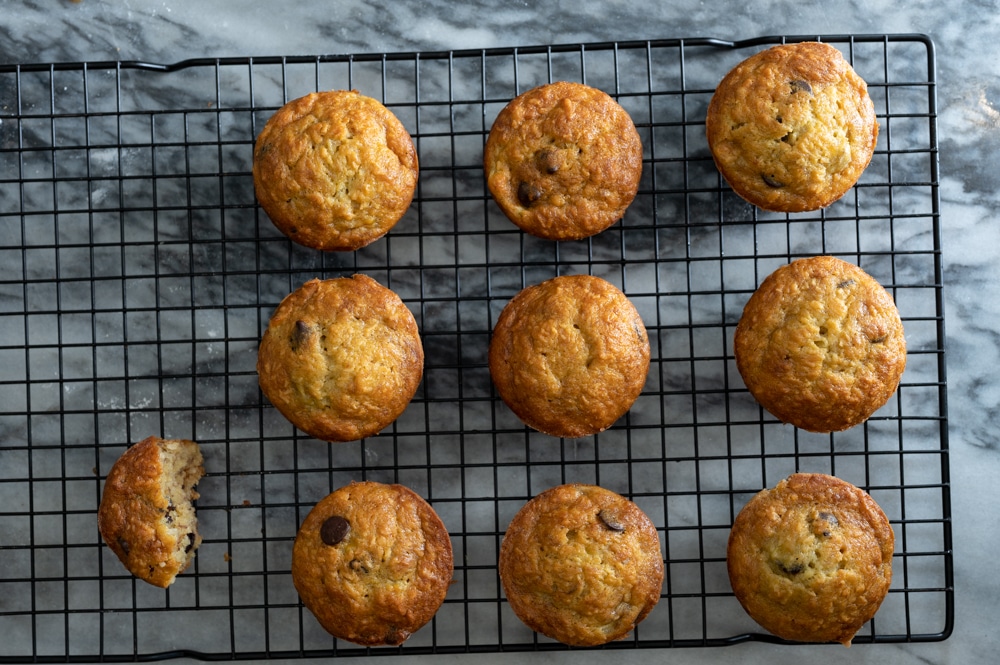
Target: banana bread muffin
[
  {"x": 372, "y": 562},
  {"x": 569, "y": 356},
  {"x": 581, "y": 564},
  {"x": 341, "y": 358},
  {"x": 820, "y": 344},
  {"x": 147, "y": 516},
  {"x": 792, "y": 128},
  {"x": 334, "y": 170},
  {"x": 563, "y": 161},
  {"x": 811, "y": 559}
]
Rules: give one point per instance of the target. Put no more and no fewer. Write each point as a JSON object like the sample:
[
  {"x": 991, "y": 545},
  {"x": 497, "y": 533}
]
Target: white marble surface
[{"x": 969, "y": 136}]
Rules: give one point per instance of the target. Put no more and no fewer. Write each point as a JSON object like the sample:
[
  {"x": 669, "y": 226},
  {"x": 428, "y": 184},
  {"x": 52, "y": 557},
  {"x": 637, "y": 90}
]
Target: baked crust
[
  {"x": 811, "y": 559},
  {"x": 820, "y": 344},
  {"x": 569, "y": 356},
  {"x": 334, "y": 170},
  {"x": 581, "y": 564},
  {"x": 792, "y": 128},
  {"x": 146, "y": 516},
  {"x": 341, "y": 358},
  {"x": 563, "y": 161},
  {"x": 386, "y": 576}
]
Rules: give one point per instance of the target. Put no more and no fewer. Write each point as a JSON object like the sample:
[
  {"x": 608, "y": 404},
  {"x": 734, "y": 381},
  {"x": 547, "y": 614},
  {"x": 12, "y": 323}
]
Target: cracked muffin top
[
  {"x": 563, "y": 161},
  {"x": 581, "y": 564},
  {"x": 334, "y": 170},
  {"x": 570, "y": 355},
  {"x": 372, "y": 562},
  {"x": 792, "y": 128},
  {"x": 820, "y": 344},
  {"x": 811, "y": 559},
  {"x": 341, "y": 358}
]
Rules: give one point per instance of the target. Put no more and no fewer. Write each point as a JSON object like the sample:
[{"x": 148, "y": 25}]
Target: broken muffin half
[{"x": 147, "y": 513}]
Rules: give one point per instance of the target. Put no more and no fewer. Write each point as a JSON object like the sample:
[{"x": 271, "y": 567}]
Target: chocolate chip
[
  {"x": 831, "y": 520},
  {"x": 800, "y": 86},
  {"x": 334, "y": 530},
  {"x": 548, "y": 161},
  {"x": 844, "y": 284},
  {"x": 610, "y": 521},
  {"x": 793, "y": 569},
  {"x": 771, "y": 181},
  {"x": 122, "y": 543},
  {"x": 878, "y": 340},
  {"x": 527, "y": 194},
  {"x": 190, "y": 545},
  {"x": 300, "y": 335}
]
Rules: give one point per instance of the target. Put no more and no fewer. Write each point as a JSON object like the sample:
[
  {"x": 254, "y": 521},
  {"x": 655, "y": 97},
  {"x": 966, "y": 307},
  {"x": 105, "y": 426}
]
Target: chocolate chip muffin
[
  {"x": 820, "y": 344},
  {"x": 341, "y": 358},
  {"x": 811, "y": 559},
  {"x": 581, "y": 564},
  {"x": 372, "y": 562},
  {"x": 792, "y": 128},
  {"x": 334, "y": 170},
  {"x": 569, "y": 356},
  {"x": 563, "y": 161},
  {"x": 147, "y": 515}
]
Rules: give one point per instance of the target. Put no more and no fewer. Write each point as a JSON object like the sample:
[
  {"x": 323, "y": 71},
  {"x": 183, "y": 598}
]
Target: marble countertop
[{"x": 968, "y": 96}]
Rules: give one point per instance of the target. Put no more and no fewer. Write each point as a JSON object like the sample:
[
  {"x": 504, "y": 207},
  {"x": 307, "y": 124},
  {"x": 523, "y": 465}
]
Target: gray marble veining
[{"x": 968, "y": 102}]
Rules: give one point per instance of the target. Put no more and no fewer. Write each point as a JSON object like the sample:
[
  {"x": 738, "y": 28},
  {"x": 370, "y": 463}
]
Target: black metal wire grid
[{"x": 137, "y": 275}]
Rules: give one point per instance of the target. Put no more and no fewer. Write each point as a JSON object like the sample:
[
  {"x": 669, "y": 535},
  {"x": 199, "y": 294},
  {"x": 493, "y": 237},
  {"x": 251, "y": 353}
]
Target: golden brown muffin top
[
  {"x": 811, "y": 559},
  {"x": 334, "y": 170},
  {"x": 569, "y": 356},
  {"x": 792, "y": 128},
  {"x": 341, "y": 358},
  {"x": 145, "y": 516},
  {"x": 372, "y": 562},
  {"x": 581, "y": 564},
  {"x": 820, "y": 344},
  {"x": 563, "y": 161}
]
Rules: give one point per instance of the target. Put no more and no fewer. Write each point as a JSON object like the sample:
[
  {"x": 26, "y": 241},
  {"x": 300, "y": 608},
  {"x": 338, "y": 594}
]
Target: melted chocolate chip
[
  {"x": 610, "y": 521},
  {"x": 358, "y": 567},
  {"x": 300, "y": 335},
  {"x": 831, "y": 521},
  {"x": 190, "y": 545},
  {"x": 527, "y": 194},
  {"x": 771, "y": 181},
  {"x": 548, "y": 161},
  {"x": 800, "y": 86},
  {"x": 122, "y": 543},
  {"x": 793, "y": 569},
  {"x": 878, "y": 340},
  {"x": 334, "y": 530}
]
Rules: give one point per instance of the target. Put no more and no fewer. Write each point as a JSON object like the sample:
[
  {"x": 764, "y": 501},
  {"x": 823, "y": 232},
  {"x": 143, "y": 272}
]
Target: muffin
[
  {"x": 811, "y": 559},
  {"x": 792, "y": 128},
  {"x": 334, "y": 170},
  {"x": 569, "y": 356},
  {"x": 372, "y": 562},
  {"x": 147, "y": 516},
  {"x": 341, "y": 358},
  {"x": 581, "y": 564},
  {"x": 820, "y": 344},
  {"x": 563, "y": 161}
]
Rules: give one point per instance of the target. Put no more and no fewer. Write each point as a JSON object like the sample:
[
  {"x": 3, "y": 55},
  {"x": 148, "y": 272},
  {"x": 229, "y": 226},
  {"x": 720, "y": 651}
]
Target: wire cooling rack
[{"x": 137, "y": 274}]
